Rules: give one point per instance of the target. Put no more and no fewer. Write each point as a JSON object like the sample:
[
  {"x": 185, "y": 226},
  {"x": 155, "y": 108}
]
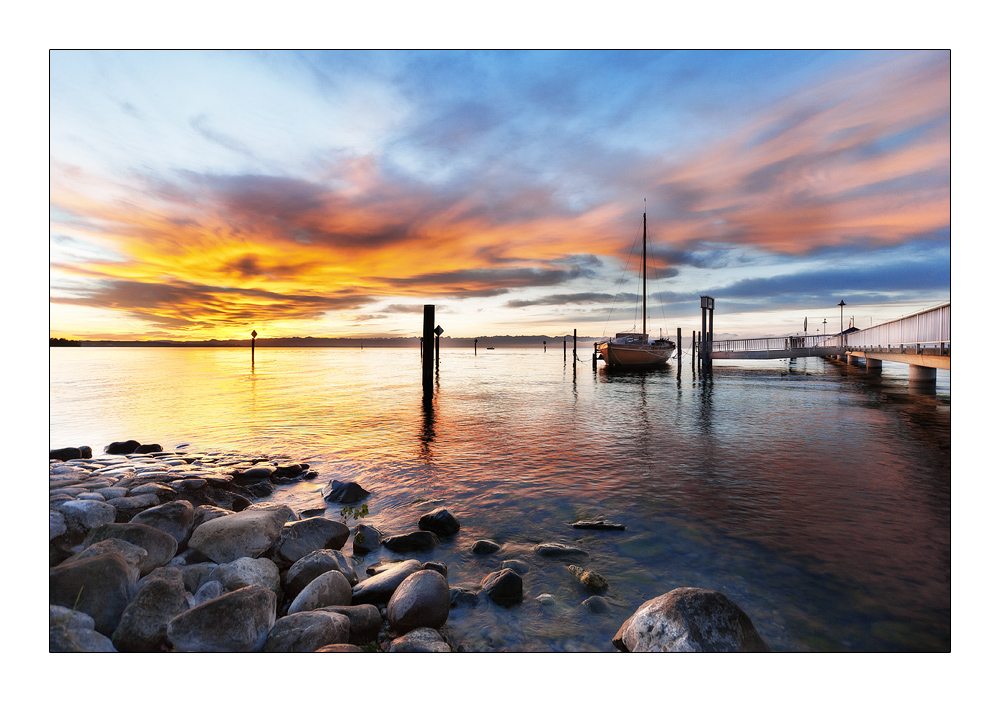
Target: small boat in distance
[{"x": 633, "y": 349}]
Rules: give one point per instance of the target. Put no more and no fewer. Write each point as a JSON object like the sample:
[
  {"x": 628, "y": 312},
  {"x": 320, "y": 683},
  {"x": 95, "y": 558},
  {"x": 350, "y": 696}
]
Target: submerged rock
[
  {"x": 414, "y": 541},
  {"x": 689, "y": 619},
  {"x": 484, "y": 547},
  {"x": 592, "y": 581},
  {"x": 552, "y": 550},
  {"x": 504, "y": 587},
  {"x": 440, "y": 521},
  {"x": 348, "y": 492},
  {"x": 600, "y": 524}
]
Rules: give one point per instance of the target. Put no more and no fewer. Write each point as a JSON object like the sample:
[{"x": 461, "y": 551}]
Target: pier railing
[
  {"x": 776, "y": 343},
  {"x": 928, "y": 328}
]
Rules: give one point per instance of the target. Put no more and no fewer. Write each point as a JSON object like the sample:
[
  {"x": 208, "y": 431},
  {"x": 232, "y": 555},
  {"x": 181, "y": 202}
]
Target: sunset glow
[{"x": 199, "y": 195}]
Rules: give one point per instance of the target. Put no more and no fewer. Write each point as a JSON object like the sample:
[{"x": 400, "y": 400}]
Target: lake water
[{"x": 816, "y": 497}]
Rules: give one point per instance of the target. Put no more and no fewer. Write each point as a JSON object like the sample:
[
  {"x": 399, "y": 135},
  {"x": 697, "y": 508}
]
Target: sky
[{"x": 202, "y": 194}]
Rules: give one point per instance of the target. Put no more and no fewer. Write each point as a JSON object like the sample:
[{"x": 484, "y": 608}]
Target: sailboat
[{"x": 632, "y": 349}]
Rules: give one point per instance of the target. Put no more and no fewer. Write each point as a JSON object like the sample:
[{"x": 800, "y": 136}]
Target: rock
[
  {"x": 83, "y": 515},
  {"x": 689, "y": 619},
  {"x": 90, "y": 496},
  {"x": 206, "y": 513},
  {"x": 248, "y": 571},
  {"x": 303, "y": 537},
  {"x": 440, "y": 521},
  {"x": 175, "y": 518},
  {"x": 304, "y": 632},
  {"x": 518, "y": 566},
  {"x": 545, "y": 599},
  {"x": 237, "y": 622},
  {"x": 348, "y": 492},
  {"x": 420, "y": 601},
  {"x": 423, "y": 640},
  {"x": 252, "y": 475},
  {"x": 241, "y": 534},
  {"x": 65, "y": 454},
  {"x": 414, "y": 541},
  {"x": 484, "y": 547},
  {"x": 160, "y": 546},
  {"x": 596, "y": 604},
  {"x": 312, "y": 565},
  {"x": 209, "y": 591},
  {"x": 143, "y": 627},
  {"x": 441, "y": 568},
  {"x": 164, "y": 492},
  {"x": 100, "y": 585},
  {"x": 330, "y": 588},
  {"x": 148, "y": 448},
  {"x": 196, "y": 574},
  {"x": 600, "y": 524},
  {"x": 73, "y": 632},
  {"x": 134, "y": 556},
  {"x": 504, "y": 587},
  {"x": 339, "y": 648},
  {"x": 593, "y": 582},
  {"x": 366, "y": 621},
  {"x": 366, "y": 539},
  {"x": 122, "y": 447},
  {"x": 57, "y": 524},
  {"x": 459, "y": 596},
  {"x": 131, "y": 505},
  {"x": 559, "y": 551},
  {"x": 378, "y": 589}
]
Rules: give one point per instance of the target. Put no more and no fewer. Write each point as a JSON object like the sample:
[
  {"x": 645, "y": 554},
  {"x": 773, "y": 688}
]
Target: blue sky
[{"x": 202, "y": 194}]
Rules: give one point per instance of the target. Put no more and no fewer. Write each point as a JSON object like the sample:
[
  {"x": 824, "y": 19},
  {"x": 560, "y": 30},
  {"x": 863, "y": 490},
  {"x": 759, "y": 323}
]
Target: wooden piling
[
  {"x": 574, "y": 345},
  {"x": 679, "y": 354},
  {"x": 427, "y": 345},
  {"x": 253, "y": 340}
]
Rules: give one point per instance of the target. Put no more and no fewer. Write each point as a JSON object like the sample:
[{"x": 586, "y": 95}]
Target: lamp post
[
  {"x": 841, "y": 306},
  {"x": 824, "y": 327}
]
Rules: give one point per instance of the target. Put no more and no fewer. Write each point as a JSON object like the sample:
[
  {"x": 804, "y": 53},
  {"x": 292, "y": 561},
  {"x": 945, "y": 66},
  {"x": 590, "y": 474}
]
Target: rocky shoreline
[{"x": 156, "y": 551}]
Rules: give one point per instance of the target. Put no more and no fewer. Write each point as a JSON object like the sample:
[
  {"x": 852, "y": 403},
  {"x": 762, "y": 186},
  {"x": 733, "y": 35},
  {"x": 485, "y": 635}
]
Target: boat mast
[{"x": 643, "y": 273}]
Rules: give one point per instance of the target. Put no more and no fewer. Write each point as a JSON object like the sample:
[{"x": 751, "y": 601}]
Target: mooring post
[
  {"x": 595, "y": 356},
  {"x": 679, "y": 354},
  {"x": 694, "y": 349},
  {"x": 711, "y": 335},
  {"x": 253, "y": 339},
  {"x": 427, "y": 346},
  {"x": 475, "y": 347},
  {"x": 574, "y": 346},
  {"x": 544, "y": 348},
  {"x": 564, "y": 348}
]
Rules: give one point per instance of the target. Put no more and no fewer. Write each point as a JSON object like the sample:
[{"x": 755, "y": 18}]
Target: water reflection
[{"x": 427, "y": 431}]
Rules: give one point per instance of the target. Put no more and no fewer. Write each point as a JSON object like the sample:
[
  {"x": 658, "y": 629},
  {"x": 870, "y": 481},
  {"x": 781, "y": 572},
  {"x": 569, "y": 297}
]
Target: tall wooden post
[
  {"x": 679, "y": 354},
  {"x": 574, "y": 345},
  {"x": 475, "y": 347},
  {"x": 707, "y": 321},
  {"x": 428, "y": 349},
  {"x": 253, "y": 340},
  {"x": 564, "y": 348},
  {"x": 694, "y": 349}
]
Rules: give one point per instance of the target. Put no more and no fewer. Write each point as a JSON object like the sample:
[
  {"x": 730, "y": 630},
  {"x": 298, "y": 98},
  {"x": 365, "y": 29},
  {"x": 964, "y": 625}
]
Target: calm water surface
[{"x": 814, "y": 496}]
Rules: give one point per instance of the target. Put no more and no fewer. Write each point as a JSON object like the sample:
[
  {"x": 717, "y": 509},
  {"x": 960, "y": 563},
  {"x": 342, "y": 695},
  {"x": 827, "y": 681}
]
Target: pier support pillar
[
  {"x": 852, "y": 360},
  {"x": 922, "y": 374},
  {"x": 428, "y": 349},
  {"x": 873, "y": 366}
]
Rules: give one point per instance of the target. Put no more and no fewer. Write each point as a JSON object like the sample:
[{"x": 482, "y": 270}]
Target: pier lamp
[{"x": 841, "y": 306}]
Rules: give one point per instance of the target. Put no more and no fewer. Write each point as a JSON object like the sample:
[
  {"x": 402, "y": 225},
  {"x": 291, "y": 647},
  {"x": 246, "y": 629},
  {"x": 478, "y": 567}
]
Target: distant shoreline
[{"x": 319, "y": 342}]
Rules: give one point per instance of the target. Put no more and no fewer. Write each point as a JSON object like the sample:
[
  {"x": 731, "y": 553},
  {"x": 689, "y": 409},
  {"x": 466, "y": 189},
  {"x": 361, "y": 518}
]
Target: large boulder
[
  {"x": 65, "y": 454},
  {"x": 303, "y": 537},
  {"x": 237, "y": 622},
  {"x": 134, "y": 555},
  {"x": 689, "y": 619},
  {"x": 314, "y": 564},
  {"x": 159, "y": 545},
  {"x": 378, "y": 589},
  {"x": 101, "y": 586},
  {"x": 484, "y": 547},
  {"x": 422, "y": 600},
  {"x": 440, "y": 521},
  {"x": 248, "y": 571},
  {"x": 121, "y": 447},
  {"x": 143, "y": 627},
  {"x": 504, "y": 587},
  {"x": 304, "y": 632},
  {"x": 366, "y": 621},
  {"x": 330, "y": 588},
  {"x": 348, "y": 492},
  {"x": 83, "y": 515},
  {"x": 73, "y": 632},
  {"x": 233, "y": 536},
  {"x": 176, "y": 518},
  {"x": 414, "y": 541},
  {"x": 366, "y": 539}
]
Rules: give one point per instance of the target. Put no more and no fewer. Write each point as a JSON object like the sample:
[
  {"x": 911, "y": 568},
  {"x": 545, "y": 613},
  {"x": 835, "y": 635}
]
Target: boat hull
[{"x": 635, "y": 355}]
